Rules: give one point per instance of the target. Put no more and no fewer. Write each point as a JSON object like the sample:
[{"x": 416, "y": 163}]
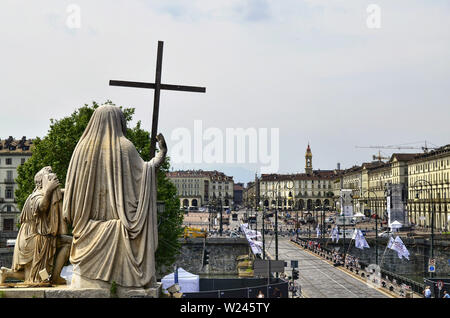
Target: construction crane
[
  {"x": 424, "y": 148},
  {"x": 379, "y": 157}
]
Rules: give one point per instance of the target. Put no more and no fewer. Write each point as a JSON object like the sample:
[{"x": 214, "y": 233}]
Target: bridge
[{"x": 319, "y": 278}]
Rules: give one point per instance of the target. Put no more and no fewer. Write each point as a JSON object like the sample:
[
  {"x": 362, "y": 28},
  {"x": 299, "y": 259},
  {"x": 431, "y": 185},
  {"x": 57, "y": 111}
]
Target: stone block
[
  {"x": 77, "y": 293},
  {"x": 22, "y": 292}
]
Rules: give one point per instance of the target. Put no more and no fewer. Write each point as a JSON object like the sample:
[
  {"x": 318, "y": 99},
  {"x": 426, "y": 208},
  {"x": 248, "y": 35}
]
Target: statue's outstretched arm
[{"x": 161, "y": 155}]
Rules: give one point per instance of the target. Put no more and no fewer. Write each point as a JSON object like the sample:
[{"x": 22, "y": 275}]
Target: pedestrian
[
  {"x": 260, "y": 294},
  {"x": 427, "y": 292},
  {"x": 446, "y": 295}
]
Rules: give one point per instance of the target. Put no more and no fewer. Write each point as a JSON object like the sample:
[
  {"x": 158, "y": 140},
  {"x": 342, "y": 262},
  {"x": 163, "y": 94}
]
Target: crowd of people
[
  {"x": 337, "y": 258},
  {"x": 352, "y": 261}
]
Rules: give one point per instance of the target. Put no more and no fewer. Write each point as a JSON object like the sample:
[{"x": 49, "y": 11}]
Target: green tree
[{"x": 56, "y": 148}]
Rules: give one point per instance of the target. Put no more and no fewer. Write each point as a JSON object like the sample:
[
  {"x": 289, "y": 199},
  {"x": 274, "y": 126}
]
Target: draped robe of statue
[
  {"x": 110, "y": 200},
  {"x": 36, "y": 240}
]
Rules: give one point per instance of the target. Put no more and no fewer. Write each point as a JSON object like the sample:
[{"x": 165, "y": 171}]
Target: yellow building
[
  {"x": 369, "y": 182},
  {"x": 300, "y": 191},
  {"x": 352, "y": 180},
  {"x": 197, "y": 188},
  {"x": 428, "y": 188},
  {"x": 376, "y": 177},
  {"x": 249, "y": 195}
]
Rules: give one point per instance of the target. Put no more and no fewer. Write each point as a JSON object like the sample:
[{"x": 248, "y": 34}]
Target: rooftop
[
  {"x": 444, "y": 150},
  {"x": 13, "y": 146},
  {"x": 315, "y": 175},
  {"x": 214, "y": 175}
]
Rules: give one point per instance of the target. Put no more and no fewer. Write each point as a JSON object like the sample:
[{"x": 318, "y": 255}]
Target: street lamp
[
  {"x": 432, "y": 212},
  {"x": 290, "y": 203},
  {"x": 340, "y": 199},
  {"x": 276, "y": 214},
  {"x": 263, "y": 209},
  {"x": 296, "y": 220},
  {"x": 317, "y": 210},
  {"x": 256, "y": 222},
  {"x": 376, "y": 220},
  {"x": 322, "y": 208},
  {"x": 221, "y": 217},
  {"x": 309, "y": 220}
]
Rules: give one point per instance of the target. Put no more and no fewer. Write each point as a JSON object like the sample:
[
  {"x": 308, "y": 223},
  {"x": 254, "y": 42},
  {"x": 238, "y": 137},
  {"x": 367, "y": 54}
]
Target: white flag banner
[
  {"x": 252, "y": 233},
  {"x": 355, "y": 234},
  {"x": 360, "y": 240},
  {"x": 252, "y": 238},
  {"x": 257, "y": 243},
  {"x": 391, "y": 241},
  {"x": 318, "y": 231},
  {"x": 255, "y": 248},
  {"x": 335, "y": 234},
  {"x": 244, "y": 227},
  {"x": 400, "y": 248}
]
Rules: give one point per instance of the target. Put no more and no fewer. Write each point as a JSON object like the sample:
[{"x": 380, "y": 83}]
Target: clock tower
[{"x": 308, "y": 161}]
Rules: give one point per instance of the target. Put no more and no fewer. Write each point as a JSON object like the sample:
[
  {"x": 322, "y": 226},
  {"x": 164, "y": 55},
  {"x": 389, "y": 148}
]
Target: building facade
[
  {"x": 249, "y": 195},
  {"x": 352, "y": 180},
  {"x": 13, "y": 153},
  {"x": 238, "y": 194},
  {"x": 428, "y": 188},
  {"x": 301, "y": 191},
  {"x": 198, "y": 188},
  {"x": 370, "y": 182},
  {"x": 380, "y": 178}
]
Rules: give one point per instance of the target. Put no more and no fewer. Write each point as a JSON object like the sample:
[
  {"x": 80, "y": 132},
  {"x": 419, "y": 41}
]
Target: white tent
[
  {"x": 188, "y": 282},
  {"x": 396, "y": 225}
]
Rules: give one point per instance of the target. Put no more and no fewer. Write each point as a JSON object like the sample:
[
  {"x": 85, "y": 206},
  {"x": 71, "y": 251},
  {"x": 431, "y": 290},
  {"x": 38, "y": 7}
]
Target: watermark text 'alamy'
[{"x": 236, "y": 145}]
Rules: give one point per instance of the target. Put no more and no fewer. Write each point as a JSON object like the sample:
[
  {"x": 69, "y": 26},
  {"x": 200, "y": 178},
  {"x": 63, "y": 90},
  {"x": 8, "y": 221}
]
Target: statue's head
[
  {"x": 115, "y": 112},
  {"x": 44, "y": 172}
]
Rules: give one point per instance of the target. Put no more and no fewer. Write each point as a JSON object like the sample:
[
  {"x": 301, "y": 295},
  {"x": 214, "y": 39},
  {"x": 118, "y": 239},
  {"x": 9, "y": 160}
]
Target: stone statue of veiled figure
[{"x": 110, "y": 201}]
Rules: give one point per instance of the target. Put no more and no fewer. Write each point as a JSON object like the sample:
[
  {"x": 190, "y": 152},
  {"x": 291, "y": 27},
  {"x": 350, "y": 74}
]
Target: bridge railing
[{"x": 388, "y": 280}]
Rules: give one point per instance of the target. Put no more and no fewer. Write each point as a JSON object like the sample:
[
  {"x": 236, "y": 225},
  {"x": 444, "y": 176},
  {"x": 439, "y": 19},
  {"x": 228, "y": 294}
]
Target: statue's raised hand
[
  {"x": 161, "y": 142},
  {"x": 50, "y": 182},
  {"x": 161, "y": 155}
]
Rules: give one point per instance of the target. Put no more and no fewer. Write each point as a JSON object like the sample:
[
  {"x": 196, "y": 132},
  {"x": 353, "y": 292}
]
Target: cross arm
[{"x": 162, "y": 86}]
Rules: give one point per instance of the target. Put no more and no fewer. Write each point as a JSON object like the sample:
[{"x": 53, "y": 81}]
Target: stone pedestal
[
  {"x": 81, "y": 282},
  {"x": 66, "y": 291}
]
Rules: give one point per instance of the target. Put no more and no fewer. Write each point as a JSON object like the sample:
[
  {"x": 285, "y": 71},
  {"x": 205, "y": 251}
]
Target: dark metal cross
[{"x": 157, "y": 86}]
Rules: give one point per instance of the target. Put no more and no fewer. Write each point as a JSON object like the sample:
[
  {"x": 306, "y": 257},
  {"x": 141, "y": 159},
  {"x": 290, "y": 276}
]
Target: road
[{"x": 318, "y": 278}]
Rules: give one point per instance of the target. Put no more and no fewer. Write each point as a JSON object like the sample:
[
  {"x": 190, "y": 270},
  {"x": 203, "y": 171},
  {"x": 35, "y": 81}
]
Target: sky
[{"x": 313, "y": 69}]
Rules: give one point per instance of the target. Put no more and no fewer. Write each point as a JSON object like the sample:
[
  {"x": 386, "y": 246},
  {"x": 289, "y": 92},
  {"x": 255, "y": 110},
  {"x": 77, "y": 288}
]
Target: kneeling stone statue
[{"x": 42, "y": 246}]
